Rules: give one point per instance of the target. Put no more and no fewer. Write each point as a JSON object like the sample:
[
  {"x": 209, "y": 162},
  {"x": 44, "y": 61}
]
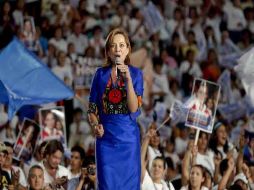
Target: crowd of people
[{"x": 196, "y": 39}]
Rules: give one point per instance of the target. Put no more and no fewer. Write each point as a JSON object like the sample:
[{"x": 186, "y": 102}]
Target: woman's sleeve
[
  {"x": 139, "y": 87},
  {"x": 94, "y": 95}
]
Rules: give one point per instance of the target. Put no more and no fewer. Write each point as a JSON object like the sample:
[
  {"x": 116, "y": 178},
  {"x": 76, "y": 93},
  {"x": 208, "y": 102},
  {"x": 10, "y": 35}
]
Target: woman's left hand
[{"x": 124, "y": 70}]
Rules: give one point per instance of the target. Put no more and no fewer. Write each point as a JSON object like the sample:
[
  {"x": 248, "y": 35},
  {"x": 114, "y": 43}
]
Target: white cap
[
  {"x": 206, "y": 163},
  {"x": 241, "y": 177}
]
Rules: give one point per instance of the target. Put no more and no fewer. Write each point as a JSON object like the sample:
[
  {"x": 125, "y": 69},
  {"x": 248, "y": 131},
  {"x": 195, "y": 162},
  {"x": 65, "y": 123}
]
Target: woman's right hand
[{"x": 99, "y": 130}]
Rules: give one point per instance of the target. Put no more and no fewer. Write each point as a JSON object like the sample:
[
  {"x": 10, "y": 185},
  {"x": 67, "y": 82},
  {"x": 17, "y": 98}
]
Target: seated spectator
[
  {"x": 54, "y": 173},
  {"x": 36, "y": 178},
  {"x": 79, "y": 129},
  {"x": 196, "y": 179},
  {"x": 190, "y": 66},
  {"x": 13, "y": 170},
  {"x": 154, "y": 180},
  {"x": 5, "y": 180},
  {"x": 77, "y": 158},
  {"x": 87, "y": 179}
]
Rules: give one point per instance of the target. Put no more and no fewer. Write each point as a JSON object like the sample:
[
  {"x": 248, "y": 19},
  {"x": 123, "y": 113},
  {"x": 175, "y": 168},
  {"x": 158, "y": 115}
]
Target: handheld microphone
[{"x": 117, "y": 62}]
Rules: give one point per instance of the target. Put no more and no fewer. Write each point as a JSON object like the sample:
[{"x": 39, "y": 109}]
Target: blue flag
[{"x": 25, "y": 80}]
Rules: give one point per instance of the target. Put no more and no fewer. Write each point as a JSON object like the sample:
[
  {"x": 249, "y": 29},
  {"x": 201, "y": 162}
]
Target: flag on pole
[
  {"x": 245, "y": 71},
  {"x": 25, "y": 80},
  {"x": 153, "y": 19},
  {"x": 225, "y": 82}
]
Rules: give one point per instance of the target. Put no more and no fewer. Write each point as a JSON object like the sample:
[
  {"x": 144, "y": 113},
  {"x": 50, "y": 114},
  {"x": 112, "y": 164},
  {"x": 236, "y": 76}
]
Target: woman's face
[
  {"x": 251, "y": 144},
  {"x": 164, "y": 55},
  {"x": 28, "y": 26},
  {"x": 202, "y": 93},
  {"x": 155, "y": 141},
  {"x": 210, "y": 104},
  {"x": 29, "y": 133},
  {"x": 61, "y": 59},
  {"x": 59, "y": 125},
  {"x": 222, "y": 135},
  {"x": 203, "y": 142},
  {"x": 196, "y": 177},
  {"x": 190, "y": 38},
  {"x": 58, "y": 33},
  {"x": 118, "y": 48},
  {"x": 6, "y": 7},
  {"x": 50, "y": 120},
  {"x": 157, "y": 171},
  {"x": 178, "y": 15}
]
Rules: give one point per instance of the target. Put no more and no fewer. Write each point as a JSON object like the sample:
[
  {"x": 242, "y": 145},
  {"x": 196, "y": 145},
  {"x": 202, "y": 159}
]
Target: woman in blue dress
[{"x": 114, "y": 102}]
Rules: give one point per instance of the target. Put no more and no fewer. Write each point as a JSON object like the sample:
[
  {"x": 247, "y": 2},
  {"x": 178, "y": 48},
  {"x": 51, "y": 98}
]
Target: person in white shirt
[
  {"x": 13, "y": 170},
  {"x": 154, "y": 180},
  {"x": 97, "y": 41},
  {"x": 58, "y": 41},
  {"x": 190, "y": 66},
  {"x": 77, "y": 158},
  {"x": 160, "y": 87},
  {"x": 54, "y": 173},
  {"x": 196, "y": 179},
  {"x": 62, "y": 69},
  {"x": 80, "y": 130},
  {"x": 236, "y": 21},
  {"x": 153, "y": 149},
  {"x": 235, "y": 17},
  {"x": 78, "y": 39},
  {"x": 36, "y": 178}
]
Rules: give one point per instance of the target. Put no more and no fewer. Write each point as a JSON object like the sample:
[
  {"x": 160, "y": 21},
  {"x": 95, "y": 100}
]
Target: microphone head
[{"x": 117, "y": 60}]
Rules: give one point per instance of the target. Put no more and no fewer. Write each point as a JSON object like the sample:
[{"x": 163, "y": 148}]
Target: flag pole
[
  {"x": 196, "y": 138},
  {"x": 164, "y": 122}
]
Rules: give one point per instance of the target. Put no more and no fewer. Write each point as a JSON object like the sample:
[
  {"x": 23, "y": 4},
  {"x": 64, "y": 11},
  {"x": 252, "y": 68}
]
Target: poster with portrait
[
  {"x": 52, "y": 123},
  {"x": 26, "y": 141},
  {"x": 28, "y": 34},
  {"x": 202, "y": 105}
]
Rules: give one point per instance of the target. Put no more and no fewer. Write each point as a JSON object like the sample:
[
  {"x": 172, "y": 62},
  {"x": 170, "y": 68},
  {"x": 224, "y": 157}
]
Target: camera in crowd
[{"x": 90, "y": 170}]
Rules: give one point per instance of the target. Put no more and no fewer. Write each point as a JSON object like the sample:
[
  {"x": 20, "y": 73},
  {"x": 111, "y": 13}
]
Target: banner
[
  {"x": 178, "y": 112},
  {"x": 233, "y": 111},
  {"x": 26, "y": 141},
  {"x": 153, "y": 18},
  {"x": 202, "y": 106},
  {"x": 52, "y": 123}
]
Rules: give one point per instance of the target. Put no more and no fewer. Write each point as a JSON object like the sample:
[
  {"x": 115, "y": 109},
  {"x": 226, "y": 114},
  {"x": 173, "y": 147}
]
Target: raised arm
[
  {"x": 188, "y": 160},
  {"x": 224, "y": 180},
  {"x": 149, "y": 134}
]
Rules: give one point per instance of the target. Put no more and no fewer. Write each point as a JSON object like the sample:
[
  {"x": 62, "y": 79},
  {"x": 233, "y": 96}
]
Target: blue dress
[{"x": 118, "y": 151}]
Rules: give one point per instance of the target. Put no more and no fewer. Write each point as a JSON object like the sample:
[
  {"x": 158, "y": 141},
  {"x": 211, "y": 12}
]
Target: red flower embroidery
[{"x": 115, "y": 96}]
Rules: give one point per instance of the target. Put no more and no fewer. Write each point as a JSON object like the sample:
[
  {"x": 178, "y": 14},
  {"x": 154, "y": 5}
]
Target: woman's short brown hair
[{"x": 109, "y": 40}]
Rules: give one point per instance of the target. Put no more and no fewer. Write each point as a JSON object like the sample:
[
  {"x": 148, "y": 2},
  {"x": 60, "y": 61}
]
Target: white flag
[
  {"x": 225, "y": 82},
  {"x": 153, "y": 18},
  {"x": 245, "y": 71}
]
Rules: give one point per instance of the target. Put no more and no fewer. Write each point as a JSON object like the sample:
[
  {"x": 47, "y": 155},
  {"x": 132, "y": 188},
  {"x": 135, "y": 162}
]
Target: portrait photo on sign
[
  {"x": 26, "y": 141},
  {"x": 28, "y": 32},
  {"x": 27, "y": 35},
  {"x": 202, "y": 105},
  {"x": 52, "y": 123}
]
